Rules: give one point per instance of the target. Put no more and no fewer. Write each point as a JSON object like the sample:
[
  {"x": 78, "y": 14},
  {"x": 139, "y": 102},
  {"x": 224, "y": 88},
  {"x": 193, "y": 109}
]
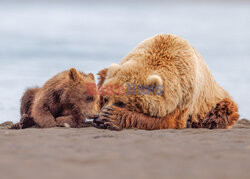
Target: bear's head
[
  {"x": 157, "y": 77},
  {"x": 127, "y": 87},
  {"x": 80, "y": 92}
]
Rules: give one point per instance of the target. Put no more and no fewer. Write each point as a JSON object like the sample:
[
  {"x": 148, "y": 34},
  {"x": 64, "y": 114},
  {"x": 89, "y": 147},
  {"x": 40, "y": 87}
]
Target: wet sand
[{"x": 93, "y": 153}]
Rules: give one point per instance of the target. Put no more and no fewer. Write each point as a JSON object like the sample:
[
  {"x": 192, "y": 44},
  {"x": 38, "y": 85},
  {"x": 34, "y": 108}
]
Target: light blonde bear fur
[{"x": 189, "y": 88}]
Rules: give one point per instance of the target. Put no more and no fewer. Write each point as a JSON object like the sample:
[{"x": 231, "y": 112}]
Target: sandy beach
[
  {"x": 40, "y": 38},
  {"x": 94, "y": 153}
]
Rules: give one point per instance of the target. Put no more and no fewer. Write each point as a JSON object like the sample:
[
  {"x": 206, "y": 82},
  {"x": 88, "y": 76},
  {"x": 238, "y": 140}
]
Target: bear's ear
[
  {"x": 102, "y": 76},
  {"x": 154, "y": 80},
  {"x": 74, "y": 75},
  {"x": 113, "y": 69},
  {"x": 91, "y": 76}
]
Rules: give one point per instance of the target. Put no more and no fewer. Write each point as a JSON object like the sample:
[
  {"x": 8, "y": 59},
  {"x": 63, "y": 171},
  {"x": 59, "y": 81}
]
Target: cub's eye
[
  {"x": 90, "y": 98},
  {"x": 120, "y": 104},
  {"x": 106, "y": 100}
]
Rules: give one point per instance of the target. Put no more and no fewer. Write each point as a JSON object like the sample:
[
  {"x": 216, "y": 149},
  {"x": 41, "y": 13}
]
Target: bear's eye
[
  {"x": 106, "y": 100},
  {"x": 120, "y": 104},
  {"x": 90, "y": 98}
]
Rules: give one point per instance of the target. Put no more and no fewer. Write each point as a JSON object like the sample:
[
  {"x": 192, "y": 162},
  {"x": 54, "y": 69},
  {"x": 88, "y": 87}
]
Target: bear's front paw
[{"x": 109, "y": 118}]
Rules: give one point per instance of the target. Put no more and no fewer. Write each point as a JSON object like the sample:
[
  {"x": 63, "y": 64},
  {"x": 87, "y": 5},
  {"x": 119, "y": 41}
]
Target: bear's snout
[
  {"x": 98, "y": 123},
  {"x": 98, "y": 120}
]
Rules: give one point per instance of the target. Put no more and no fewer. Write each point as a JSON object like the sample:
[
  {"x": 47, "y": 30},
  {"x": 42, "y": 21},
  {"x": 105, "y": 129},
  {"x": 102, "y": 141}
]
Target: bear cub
[{"x": 65, "y": 100}]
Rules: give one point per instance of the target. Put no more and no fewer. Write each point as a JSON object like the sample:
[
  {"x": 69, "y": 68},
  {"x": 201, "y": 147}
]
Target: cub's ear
[
  {"x": 102, "y": 76},
  {"x": 113, "y": 69},
  {"x": 74, "y": 75},
  {"x": 154, "y": 80},
  {"x": 91, "y": 76}
]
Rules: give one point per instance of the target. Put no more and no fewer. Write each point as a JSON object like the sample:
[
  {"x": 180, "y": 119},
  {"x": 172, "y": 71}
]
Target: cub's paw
[
  {"x": 26, "y": 122},
  {"x": 109, "y": 118}
]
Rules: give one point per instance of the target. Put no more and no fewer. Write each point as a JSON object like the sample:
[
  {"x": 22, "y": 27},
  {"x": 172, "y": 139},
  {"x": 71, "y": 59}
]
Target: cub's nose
[
  {"x": 98, "y": 121},
  {"x": 95, "y": 117}
]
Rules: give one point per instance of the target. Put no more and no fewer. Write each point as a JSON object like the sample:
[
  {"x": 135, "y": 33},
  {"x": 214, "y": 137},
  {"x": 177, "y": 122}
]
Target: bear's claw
[
  {"x": 109, "y": 109},
  {"x": 112, "y": 126},
  {"x": 107, "y": 119},
  {"x": 100, "y": 126}
]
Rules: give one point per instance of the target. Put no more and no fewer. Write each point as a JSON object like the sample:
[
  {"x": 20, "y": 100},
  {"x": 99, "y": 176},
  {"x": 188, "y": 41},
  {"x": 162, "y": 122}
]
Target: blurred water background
[{"x": 41, "y": 38}]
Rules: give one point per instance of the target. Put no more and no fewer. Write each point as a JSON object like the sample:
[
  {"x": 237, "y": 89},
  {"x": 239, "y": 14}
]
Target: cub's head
[{"x": 81, "y": 92}]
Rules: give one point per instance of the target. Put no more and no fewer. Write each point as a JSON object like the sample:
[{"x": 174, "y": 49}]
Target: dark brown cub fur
[{"x": 63, "y": 99}]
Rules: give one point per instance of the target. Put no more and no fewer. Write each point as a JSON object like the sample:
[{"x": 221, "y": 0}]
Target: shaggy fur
[
  {"x": 190, "y": 92},
  {"x": 63, "y": 99},
  {"x": 223, "y": 116},
  {"x": 102, "y": 76}
]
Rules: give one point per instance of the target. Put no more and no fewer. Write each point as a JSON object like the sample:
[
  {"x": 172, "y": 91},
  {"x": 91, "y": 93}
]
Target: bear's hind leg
[
  {"x": 25, "y": 122},
  {"x": 27, "y": 101},
  {"x": 45, "y": 120},
  {"x": 25, "y": 110},
  {"x": 66, "y": 119},
  {"x": 223, "y": 116}
]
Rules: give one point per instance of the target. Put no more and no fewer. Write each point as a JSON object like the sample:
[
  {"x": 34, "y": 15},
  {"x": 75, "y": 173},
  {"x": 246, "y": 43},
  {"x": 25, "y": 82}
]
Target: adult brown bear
[{"x": 190, "y": 97}]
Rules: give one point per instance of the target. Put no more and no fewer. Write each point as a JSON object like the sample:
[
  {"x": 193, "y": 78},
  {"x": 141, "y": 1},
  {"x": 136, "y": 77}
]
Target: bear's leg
[
  {"x": 72, "y": 121},
  {"x": 115, "y": 118},
  {"x": 25, "y": 110},
  {"x": 223, "y": 116},
  {"x": 66, "y": 119},
  {"x": 45, "y": 120},
  {"x": 25, "y": 122},
  {"x": 27, "y": 101}
]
